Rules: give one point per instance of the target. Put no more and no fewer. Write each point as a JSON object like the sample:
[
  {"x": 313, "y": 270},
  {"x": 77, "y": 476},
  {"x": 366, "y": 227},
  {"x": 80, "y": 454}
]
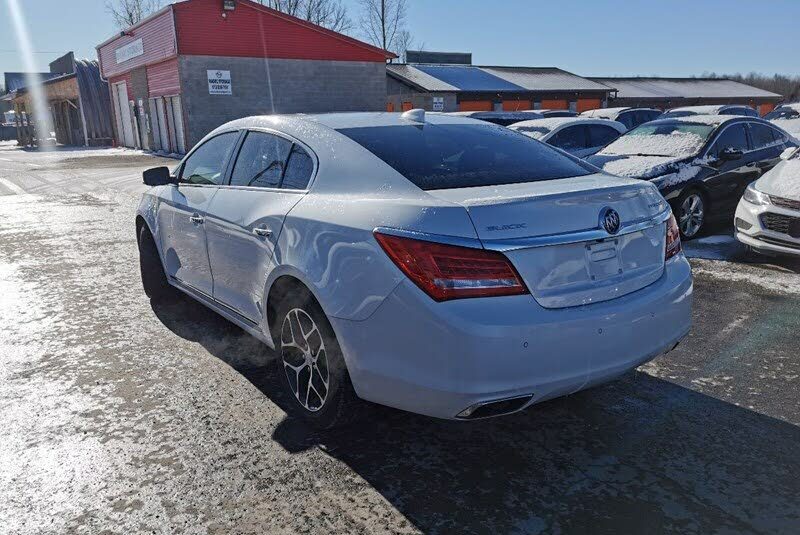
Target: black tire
[
  {"x": 679, "y": 209},
  {"x": 154, "y": 280},
  {"x": 340, "y": 405}
]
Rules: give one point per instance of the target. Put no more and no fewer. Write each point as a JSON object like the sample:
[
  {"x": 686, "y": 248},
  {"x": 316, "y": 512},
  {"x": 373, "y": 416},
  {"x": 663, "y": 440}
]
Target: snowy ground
[{"x": 123, "y": 416}]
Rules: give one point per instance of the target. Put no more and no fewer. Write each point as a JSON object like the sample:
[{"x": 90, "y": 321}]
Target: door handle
[
  {"x": 263, "y": 232},
  {"x": 197, "y": 219}
]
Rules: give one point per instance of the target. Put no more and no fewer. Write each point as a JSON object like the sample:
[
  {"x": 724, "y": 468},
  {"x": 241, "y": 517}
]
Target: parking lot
[{"x": 121, "y": 417}]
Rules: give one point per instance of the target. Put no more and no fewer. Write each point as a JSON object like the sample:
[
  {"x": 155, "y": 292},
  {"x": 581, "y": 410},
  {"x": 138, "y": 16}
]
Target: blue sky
[{"x": 588, "y": 37}]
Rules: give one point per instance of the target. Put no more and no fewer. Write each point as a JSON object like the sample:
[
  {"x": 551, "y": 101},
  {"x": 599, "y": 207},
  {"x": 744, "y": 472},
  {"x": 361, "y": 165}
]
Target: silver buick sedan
[{"x": 433, "y": 263}]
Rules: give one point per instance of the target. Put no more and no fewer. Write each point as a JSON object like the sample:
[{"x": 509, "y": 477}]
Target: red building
[{"x": 197, "y": 64}]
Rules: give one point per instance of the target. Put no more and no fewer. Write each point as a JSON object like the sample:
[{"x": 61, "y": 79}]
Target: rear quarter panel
[{"x": 327, "y": 242}]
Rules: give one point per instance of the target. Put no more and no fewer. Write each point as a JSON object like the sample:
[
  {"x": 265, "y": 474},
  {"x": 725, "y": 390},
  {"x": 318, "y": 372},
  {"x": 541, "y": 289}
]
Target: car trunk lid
[{"x": 552, "y": 232}]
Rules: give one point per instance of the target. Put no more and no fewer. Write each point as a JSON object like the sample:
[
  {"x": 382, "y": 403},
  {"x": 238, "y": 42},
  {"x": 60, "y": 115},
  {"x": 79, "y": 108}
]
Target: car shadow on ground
[{"x": 639, "y": 455}]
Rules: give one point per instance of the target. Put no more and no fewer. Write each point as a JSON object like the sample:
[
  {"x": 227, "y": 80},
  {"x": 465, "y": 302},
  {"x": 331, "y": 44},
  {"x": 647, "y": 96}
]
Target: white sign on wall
[
  {"x": 129, "y": 51},
  {"x": 438, "y": 103},
  {"x": 219, "y": 82}
]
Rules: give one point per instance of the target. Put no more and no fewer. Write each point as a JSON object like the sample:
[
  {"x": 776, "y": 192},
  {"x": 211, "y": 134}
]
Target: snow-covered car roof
[
  {"x": 790, "y": 125},
  {"x": 700, "y": 110},
  {"x": 604, "y": 112},
  {"x": 793, "y": 106},
  {"x": 555, "y": 123},
  {"x": 712, "y": 120}
]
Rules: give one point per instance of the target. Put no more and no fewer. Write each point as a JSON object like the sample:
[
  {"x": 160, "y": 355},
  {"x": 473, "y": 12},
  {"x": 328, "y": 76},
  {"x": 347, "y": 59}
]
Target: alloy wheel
[
  {"x": 305, "y": 360},
  {"x": 692, "y": 215}
]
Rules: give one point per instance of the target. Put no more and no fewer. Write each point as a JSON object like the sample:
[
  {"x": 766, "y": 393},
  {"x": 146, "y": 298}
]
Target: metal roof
[
  {"x": 545, "y": 79},
  {"x": 661, "y": 88},
  {"x": 471, "y": 78},
  {"x": 18, "y": 80}
]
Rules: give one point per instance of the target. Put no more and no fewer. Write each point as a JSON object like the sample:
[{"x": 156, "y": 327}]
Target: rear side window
[
  {"x": 762, "y": 135},
  {"x": 206, "y": 165},
  {"x": 600, "y": 136},
  {"x": 444, "y": 156},
  {"x": 733, "y": 136},
  {"x": 261, "y": 160},
  {"x": 298, "y": 169},
  {"x": 569, "y": 138}
]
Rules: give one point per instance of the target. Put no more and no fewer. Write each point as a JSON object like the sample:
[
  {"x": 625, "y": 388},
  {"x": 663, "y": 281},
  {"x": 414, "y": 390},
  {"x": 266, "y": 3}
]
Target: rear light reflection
[
  {"x": 673, "y": 238},
  {"x": 452, "y": 272}
]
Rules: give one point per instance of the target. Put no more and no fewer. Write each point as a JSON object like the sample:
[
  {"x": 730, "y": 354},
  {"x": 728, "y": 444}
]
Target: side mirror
[
  {"x": 158, "y": 176},
  {"x": 730, "y": 154},
  {"x": 787, "y": 153}
]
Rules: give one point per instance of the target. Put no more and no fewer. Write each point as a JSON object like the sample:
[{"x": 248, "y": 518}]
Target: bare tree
[
  {"x": 405, "y": 42},
  {"x": 331, "y": 14},
  {"x": 126, "y": 13},
  {"x": 383, "y": 23}
]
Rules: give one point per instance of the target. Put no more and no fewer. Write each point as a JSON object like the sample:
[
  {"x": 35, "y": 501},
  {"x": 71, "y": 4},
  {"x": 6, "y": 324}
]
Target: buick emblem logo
[{"x": 609, "y": 219}]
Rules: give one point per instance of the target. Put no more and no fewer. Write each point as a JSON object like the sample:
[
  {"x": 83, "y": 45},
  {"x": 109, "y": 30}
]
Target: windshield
[
  {"x": 444, "y": 156},
  {"x": 665, "y": 139},
  {"x": 536, "y": 132}
]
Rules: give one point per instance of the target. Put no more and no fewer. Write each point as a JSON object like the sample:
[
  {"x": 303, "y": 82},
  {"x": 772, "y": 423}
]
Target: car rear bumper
[
  {"x": 441, "y": 358},
  {"x": 750, "y": 230}
]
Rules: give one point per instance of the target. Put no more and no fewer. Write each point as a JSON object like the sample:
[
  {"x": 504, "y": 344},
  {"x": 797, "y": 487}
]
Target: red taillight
[
  {"x": 673, "y": 238},
  {"x": 452, "y": 272}
]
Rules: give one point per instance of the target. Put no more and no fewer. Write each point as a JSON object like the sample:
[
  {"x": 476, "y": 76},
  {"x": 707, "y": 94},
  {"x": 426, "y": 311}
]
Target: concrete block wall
[{"x": 262, "y": 86}]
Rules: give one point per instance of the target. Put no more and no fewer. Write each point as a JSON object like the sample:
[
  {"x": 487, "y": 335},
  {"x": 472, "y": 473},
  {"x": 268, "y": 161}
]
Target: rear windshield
[{"x": 445, "y": 156}]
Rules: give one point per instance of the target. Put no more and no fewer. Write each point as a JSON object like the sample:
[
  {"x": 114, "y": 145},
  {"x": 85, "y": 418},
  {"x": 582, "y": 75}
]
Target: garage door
[
  {"x": 589, "y": 104},
  {"x": 555, "y": 104},
  {"x": 475, "y": 105},
  {"x": 516, "y": 105}
]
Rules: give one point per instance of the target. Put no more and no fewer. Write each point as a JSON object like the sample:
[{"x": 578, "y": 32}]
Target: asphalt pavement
[{"x": 118, "y": 416}]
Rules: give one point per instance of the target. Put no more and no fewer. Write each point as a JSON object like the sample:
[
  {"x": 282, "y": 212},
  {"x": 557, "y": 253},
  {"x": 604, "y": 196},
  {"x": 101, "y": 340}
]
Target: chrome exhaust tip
[{"x": 497, "y": 407}]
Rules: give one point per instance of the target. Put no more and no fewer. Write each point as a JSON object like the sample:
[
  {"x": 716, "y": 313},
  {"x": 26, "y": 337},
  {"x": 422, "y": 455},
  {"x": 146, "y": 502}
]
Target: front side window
[
  {"x": 206, "y": 165},
  {"x": 569, "y": 138},
  {"x": 261, "y": 160},
  {"x": 443, "y": 156},
  {"x": 734, "y": 136}
]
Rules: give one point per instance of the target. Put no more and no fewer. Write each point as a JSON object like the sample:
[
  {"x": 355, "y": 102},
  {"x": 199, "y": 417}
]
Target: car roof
[
  {"x": 551, "y": 123},
  {"x": 298, "y": 124},
  {"x": 521, "y": 114},
  {"x": 708, "y": 109},
  {"x": 708, "y": 119},
  {"x": 792, "y": 106}
]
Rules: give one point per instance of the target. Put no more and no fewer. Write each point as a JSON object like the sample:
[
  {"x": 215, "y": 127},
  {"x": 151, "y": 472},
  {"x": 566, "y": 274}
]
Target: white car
[
  {"x": 433, "y": 263},
  {"x": 768, "y": 216},
  {"x": 579, "y": 136}
]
